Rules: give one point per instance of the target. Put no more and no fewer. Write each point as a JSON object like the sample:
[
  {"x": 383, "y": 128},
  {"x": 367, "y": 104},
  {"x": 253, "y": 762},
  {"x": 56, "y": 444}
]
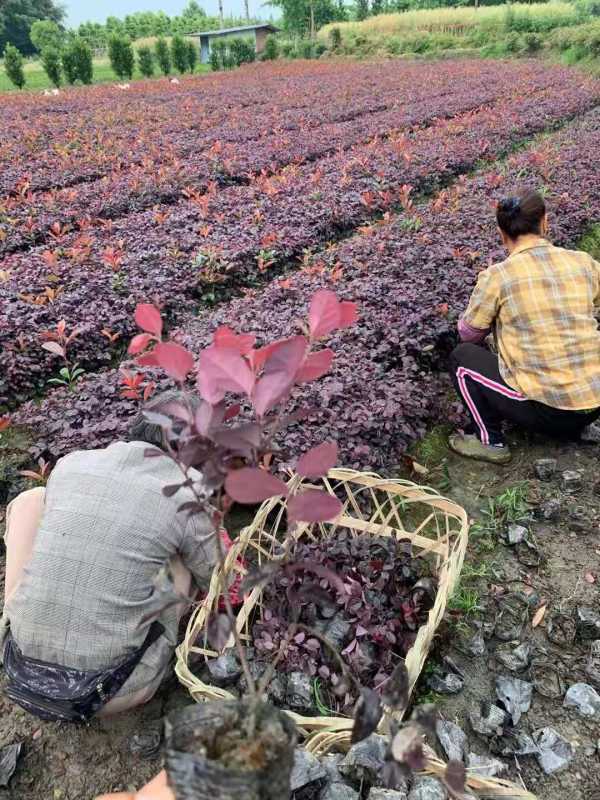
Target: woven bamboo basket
[{"x": 435, "y": 527}]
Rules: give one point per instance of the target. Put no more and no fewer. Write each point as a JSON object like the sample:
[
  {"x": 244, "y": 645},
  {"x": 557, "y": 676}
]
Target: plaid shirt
[
  {"x": 541, "y": 303},
  {"x": 106, "y": 532}
]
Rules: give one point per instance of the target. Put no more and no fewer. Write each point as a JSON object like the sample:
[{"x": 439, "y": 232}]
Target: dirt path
[
  {"x": 570, "y": 550},
  {"x": 63, "y": 762}
]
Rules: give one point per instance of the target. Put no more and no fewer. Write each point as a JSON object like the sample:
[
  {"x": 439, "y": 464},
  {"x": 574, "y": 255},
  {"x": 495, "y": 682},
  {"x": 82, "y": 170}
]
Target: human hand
[{"x": 157, "y": 789}]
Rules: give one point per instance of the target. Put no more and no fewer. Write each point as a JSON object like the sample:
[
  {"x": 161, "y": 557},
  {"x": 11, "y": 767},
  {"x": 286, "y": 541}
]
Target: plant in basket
[
  {"x": 345, "y": 612},
  {"x": 244, "y": 748}
]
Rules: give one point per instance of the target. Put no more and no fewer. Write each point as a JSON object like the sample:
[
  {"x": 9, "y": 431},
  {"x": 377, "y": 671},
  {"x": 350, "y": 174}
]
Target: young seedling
[{"x": 57, "y": 343}]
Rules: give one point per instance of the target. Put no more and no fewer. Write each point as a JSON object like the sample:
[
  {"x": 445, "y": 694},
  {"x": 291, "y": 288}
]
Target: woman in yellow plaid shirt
[{"x": 541, "y": 304}]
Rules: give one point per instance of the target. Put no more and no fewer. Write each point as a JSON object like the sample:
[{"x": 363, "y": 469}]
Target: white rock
[
  {"x": 584, "y": 698},
  {"x": 555, "y": 753}
]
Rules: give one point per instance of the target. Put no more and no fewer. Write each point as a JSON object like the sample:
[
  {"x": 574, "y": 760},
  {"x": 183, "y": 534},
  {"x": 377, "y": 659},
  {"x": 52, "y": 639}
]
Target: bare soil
[
  {"x": 570, "y": 549},
  {"x": 64, "y": 762}
]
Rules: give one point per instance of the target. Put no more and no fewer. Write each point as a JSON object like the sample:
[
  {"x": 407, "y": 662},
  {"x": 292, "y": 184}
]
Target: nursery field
[{"x": 229, "y": 200}]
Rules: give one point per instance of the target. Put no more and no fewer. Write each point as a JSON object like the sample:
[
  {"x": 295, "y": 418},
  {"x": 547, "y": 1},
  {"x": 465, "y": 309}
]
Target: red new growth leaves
[
  {"x": 147, "y": 317},
  {"x": 174, "y": 359},
  {"x": 54, "y": 348},
  {"x": 222, "y": 370},
  {"x": 327, "y": 314},
  {"x": 313, "y": 506},
  {"x": 139, "y": 343},
  {"x": 315, "y": 366},
  {"x": 318, "y": 461},
  {"x": 253, "y": 485},
  {"x": 266, "y": 376},
  {"x": 281, "y": 368},
  {"x": 225, "y": 337}
]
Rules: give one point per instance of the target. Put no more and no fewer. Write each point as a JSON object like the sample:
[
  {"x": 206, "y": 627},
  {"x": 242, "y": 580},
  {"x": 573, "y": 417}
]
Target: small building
[{"x": 260, "y": 31}]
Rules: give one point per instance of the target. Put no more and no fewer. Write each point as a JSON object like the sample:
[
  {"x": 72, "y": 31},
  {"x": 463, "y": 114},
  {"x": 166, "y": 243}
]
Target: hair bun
[{"x": 511, "y": 206}]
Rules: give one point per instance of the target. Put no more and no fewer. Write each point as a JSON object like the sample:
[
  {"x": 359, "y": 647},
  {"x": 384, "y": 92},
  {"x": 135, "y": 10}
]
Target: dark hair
[
  {"x": 521, "y": 214},
  {"x": 142, "y": 430}
]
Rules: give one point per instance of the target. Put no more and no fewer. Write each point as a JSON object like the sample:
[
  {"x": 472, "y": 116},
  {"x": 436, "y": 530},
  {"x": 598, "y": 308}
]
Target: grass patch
[
  {"x": 432, "y": 449},
  {"x": 568, "y": 32},
  {"x": 544, "y": 16},
  {"x": 14, "y": 444},
  {"x": 510, "y": 506},
  {"x": 590, "y": 242},
  {"x": 464, "y": 600}
]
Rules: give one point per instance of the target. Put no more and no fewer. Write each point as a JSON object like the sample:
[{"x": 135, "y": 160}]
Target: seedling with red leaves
[
  {"x": 57, "y": 342},
  {"x": 203, "y": 431}
]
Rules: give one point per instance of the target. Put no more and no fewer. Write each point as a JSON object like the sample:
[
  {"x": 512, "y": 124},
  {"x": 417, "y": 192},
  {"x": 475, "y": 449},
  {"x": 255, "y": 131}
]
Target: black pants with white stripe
[{"x": 489, "y": 400}]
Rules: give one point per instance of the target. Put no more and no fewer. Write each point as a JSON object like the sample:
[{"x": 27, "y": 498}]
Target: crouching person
[
  {"x": 541, "y": 303},
  {"x": 86, "y": 626}
]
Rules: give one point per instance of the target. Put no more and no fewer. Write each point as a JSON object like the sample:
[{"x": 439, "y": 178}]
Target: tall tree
[
  {"x": 13, "y": 65},
  {"x": 51, "y": 62},
  {"x": 46, "y": 33},
  {"x": 193, "y": 10},
  {"x": 362, "y": 9},
  {"x": 179, "y": 53},
  {"x": 121, "y": 56},
  {"x": 305, "y": 16},
  {"x": 17, "y": 17},
  {"x": 163, "y": 55}
]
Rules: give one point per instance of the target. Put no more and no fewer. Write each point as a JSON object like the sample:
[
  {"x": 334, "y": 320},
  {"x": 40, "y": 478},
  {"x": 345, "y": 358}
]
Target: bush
[
  {"x": 416, "y": 43},
  {"x": 146, "y": 61},
  {"x": 395, "y": 45},
  {"x": 306, "y": 49},
  {"x": 335, "y": 38},
  {"x": 51, "y": 62},
  {"x": 13, "y": 64},
  {"x": 217, "y": 55},
  {"x": 319, "y": 48},
  {"x": 120, "y": 53},
  {"x": 179, "y": 53},
  {"x": 578, "y": 42},
  {"x": 228, "y": 60},
  {"x": 512, "y": 43},
  {"x": 242, "y": 51},
  {"x": 82, "y": 60},
  {"x": 288, "y": 49},
  {"x": 271, "y": 51},
  {"x": 192, "y": 55},
  {"x": 438, "y": 42},
  {"x": 532, "y": 42},
  {"x": 69, "y": 65},
  {"x": 163, "y": 55},
  {"x": 588, "y": 8}
]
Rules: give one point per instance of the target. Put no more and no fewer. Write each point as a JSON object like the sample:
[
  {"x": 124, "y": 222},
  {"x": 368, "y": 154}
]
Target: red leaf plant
[{"x": 203, "y": 431}]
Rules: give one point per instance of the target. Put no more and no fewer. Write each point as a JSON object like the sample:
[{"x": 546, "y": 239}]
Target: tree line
[{"x": 73, "y": 61}]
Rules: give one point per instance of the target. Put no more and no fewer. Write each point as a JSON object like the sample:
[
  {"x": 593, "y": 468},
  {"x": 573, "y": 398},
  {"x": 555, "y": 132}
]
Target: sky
[{"x": 83, "y": 10}]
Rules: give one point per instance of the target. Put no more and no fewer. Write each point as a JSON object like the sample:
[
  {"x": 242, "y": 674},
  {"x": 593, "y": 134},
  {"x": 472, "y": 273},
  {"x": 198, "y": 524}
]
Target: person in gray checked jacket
[{"x": 85, "y": 628}]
